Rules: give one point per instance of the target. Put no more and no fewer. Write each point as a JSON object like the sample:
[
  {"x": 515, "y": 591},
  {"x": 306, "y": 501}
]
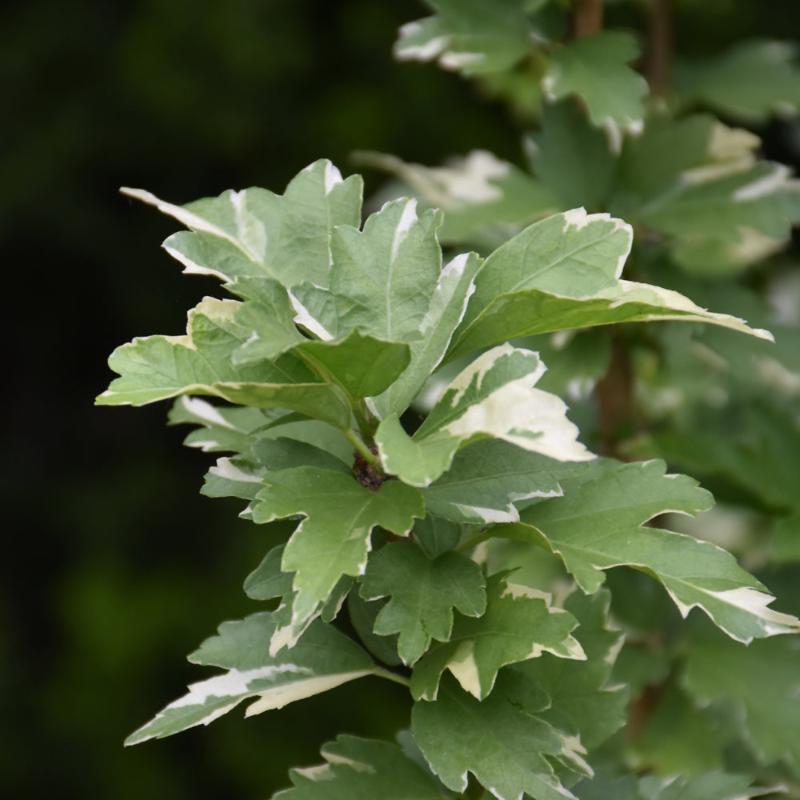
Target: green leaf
[
  {"x": 334, "y": 537},
  {"x": 333, "y": 605},
  {"x": 750, "y": 81},
  {"x": 709, "y": 786},
  {"x": 284, "y": 633},
  {"x": 323, "y": 660},
  {"x": 641, "y": 663},
  {"x": 281, "y": 453},
  {"x": 759, "y": 684},
  {"x": 436, "y": 536},
  {"x": 483, "y": 198},
  {"x": 716, "y": 785},
  {"x": 583, "y": 699},
  {"x": 595, "y": 68},
  {"x": 445, "y": 312},
  {"x": 573, "y": 254},
  {"x": 362, "y": 615},
  {"x": 258, "y": 233},
  {"x": 730, "y": 216},
  {"x": 384, "y": 276},
  {"x": 599, "y": 523},
  {"x": 653, "y": 163},
  {"x": 489, "y": 480},
  {"x": 266, "y": 581},
  {"x": 244, "y": 477},
  {"x": 518, "y": 624},
  {"x": 572, "y": 159},
  {"x": 318, "y": 434},
  {"x": 243, "y": 429},
  {"x": 603, "y": 787},
  {"x": 785, "y": 544},
  {"x": 362, "y": 769},
  {"x": 678, "y": 738},
  {"x": 758, "y": 454},
  {"x": 500, "y": 740},
  {"x": 159, "y": 367},
  {"x": 267, "y": 315},
  {"x": 362, "y": 365},
  {"x": 471, "y": 36},
  {"x": 699, "y": 183},
  {"x": 423, "y": 593},
  {"x": 495, "y": 396},
  {"x": 563, "y": 272},
  {"x": 234, "y": 477},
  {"x": 221, "y": 429}
]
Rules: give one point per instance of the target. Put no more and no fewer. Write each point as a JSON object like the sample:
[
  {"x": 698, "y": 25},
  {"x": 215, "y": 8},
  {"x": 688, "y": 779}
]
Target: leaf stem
[
  {"x": 474, "y": 540},
  {"x": 366, "y": 422},
  {"x": 361, "y": 448},
  {"x": 392, "y": 676}
]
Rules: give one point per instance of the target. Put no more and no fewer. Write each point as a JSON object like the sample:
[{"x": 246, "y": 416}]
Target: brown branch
[
  {"x": 659, "y": 46},
  {"x": 641, "y": 709},
  {"x": 614, "y": 395},
  {"x": 587, "y": 18}
]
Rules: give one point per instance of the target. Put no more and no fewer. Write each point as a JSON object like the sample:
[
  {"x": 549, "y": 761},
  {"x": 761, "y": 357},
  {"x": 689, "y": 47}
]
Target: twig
[
  {"x": 361, "y": 448},
  {"x": 587, "y": 19},
  {"x": 614, "y": 394},
  {"x": 659, "y": 46},
  {"x": 392, "y": 676}
]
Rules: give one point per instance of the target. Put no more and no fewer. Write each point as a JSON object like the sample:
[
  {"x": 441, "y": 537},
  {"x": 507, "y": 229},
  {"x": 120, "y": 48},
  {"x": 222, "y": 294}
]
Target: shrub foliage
[{"x": 454, "y": 520}]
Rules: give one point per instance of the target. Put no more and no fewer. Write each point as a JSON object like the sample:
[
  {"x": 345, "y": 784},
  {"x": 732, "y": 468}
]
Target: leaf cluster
[{"x": 450, "y": 529}]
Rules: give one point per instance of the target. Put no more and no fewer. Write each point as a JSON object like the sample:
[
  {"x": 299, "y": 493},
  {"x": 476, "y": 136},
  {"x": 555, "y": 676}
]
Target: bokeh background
[{"x": 114, "y": 567}]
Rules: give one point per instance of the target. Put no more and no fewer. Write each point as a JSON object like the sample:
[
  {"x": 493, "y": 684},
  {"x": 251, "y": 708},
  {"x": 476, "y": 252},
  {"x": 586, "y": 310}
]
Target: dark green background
[{"x": 114, "y": 567}]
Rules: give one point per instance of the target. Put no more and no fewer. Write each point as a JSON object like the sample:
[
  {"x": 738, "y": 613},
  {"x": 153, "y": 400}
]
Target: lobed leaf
[
  {"x": 599, "y": 523},
  {"x": 383, "y": 276},
  {"x": 758, "y": 685},
  {"x": 362, "y": 616},
  {"x": 572, "y": 158},
  {"x": 362, "y": 769},
  {"x": 583, "y": 699},
  {"x": 707, "y": 786},
  {"x": 563, "y": 272},
  {"x": 490, "y": 480},
  {"x": 483, "y": 198},
  {"x": 266, "y": 317},
  {"x": 333, "y": 538},
  {"x": 495, "y": 396},
  {"x": 518, "y": 624},
  {"x": 258, "y": 233},
  {"x": 750, "y": 81},
  {"x": 362, "y": 365},
  {"x": 445, "y": 312},
  {"x": 699, "y": 184},
  {"x": 502, "y": 741},
  {"x": 595, "y": 68},
  {"x": 220, "y": 428},
  {"x": 267, "y": 581},
  {"x": 324, "y": 659},
  {"x": 159, "y": 367},
  {"x": 422, "y": 594},
  {"x": 470, "y": 36}
]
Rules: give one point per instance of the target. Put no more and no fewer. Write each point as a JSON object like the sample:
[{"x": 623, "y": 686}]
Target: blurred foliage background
[{"x": 115, "y": 567}]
